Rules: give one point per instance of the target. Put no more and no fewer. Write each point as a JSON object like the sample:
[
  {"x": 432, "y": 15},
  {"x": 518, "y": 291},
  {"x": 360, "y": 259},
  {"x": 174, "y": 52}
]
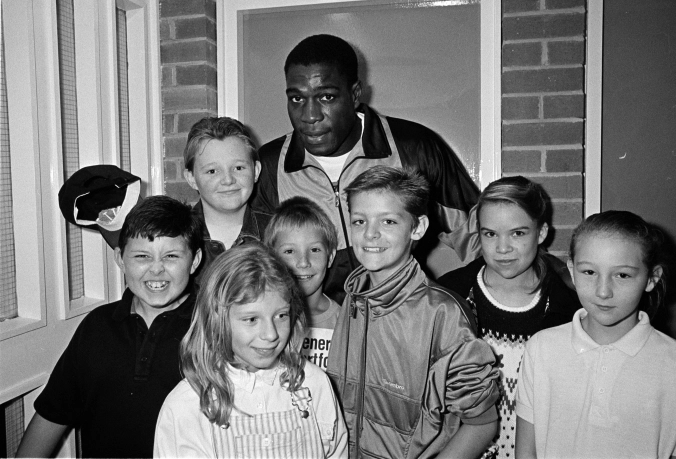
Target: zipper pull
[{"x": 336, "y": 192}]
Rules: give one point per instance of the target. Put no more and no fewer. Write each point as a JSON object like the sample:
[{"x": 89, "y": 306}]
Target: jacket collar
[
  {"x": 249, "y": 226},
  {"x": 629, "y": 344},
  {"x": 374, "y": 141},
  {"x": 389, "y": 295}
]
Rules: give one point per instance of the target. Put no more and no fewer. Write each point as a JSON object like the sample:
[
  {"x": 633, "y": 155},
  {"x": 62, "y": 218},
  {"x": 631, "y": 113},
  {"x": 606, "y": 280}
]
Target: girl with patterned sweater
[{"x": 513, "y": 288}]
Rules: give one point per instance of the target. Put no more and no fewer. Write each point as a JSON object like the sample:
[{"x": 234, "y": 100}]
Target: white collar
[{"x": 247, "y": 380}]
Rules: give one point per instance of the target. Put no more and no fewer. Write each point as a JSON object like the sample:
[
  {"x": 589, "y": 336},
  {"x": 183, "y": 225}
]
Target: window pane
[
  {"x": 69, "y": 131},
  {"x": 13, "y": 421},
  {"x": 123, "y": 89},
  {"x": 8, "y": 302}
]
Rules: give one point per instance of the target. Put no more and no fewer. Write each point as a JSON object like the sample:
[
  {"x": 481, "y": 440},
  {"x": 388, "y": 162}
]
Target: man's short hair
[
  {"x": 409, "y": 185},
  {"x": 300, "y": 212},
  {"x": 162, "y": 216},
  {"x": 325, "y": 49},
  {"x": 210, "y": 128}
]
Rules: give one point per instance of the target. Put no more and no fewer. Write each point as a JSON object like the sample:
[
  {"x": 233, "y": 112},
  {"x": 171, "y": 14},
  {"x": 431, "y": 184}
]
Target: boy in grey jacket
[{"x": 424, "y": 384}]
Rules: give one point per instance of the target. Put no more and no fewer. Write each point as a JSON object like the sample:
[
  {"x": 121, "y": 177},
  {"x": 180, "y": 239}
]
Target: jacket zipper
[{"x": 362, "y": 379}]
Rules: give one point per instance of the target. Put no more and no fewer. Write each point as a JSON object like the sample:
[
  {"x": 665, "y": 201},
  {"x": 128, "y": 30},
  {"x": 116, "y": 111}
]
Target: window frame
[
  {"x": 229, "y": 33},
  {"x": 31, "y": 344}
]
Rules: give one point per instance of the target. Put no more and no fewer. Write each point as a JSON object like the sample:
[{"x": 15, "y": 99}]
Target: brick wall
[
  {"x": 543, "y": 98},
  {"x": 543, "y": 103},
  {"x": 188, "y": 59}
]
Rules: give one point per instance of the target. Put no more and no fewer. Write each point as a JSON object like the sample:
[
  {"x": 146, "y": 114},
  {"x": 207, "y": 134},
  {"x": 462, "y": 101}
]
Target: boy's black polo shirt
[{"x": 114, "y": 376}]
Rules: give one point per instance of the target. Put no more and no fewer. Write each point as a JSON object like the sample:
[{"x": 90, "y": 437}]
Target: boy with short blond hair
[
  {"x": 303, "y": 235},
  {"x": 413, "y": 378}
]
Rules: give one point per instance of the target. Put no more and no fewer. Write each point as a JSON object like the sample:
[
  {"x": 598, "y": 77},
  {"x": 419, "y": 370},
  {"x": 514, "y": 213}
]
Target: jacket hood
[{"x": 390, "y": 294}]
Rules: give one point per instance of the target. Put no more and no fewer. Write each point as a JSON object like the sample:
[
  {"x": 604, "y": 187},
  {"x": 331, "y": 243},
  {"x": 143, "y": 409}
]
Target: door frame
[{"x": 228, "y": 15}]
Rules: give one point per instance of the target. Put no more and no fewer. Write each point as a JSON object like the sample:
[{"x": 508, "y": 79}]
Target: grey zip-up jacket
[{"x": 407, "y": 366}]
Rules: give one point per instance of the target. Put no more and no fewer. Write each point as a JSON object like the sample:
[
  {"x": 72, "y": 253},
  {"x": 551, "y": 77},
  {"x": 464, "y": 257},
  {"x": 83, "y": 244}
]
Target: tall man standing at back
[{"x": 335, "y": 138}]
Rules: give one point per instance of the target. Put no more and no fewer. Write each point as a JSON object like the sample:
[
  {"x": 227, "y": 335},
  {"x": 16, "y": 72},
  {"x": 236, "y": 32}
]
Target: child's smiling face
[
  {"x": 224, "y": 173},
  {"x": 305, "y": 252},
  {"x": 158, "y": 271},
  {"x": 610, "y": 277},
  {"x": 260, "y": 330},
  {"x": 509, "y": 240},
  {"x": 382, "y": 232}
]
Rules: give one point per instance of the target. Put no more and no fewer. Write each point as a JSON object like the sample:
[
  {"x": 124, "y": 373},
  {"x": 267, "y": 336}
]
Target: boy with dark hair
[
  {"x": 303, "y": 236},
  {"x": 424, "y": 384},
  {"x": 123, "y": 358}
]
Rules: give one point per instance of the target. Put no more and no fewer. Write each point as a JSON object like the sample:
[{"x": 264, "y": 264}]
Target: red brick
[
  {"x": 169, "y": 123},
  {"x": 521, "y": 161},
  {"x": 520, "y": 108},
  {"x": 187, "y": 51},
  {"x": 565, "y": 52},
  {"x": 167, "y": 76},
  {"x": 189, "y": 98},
  {"x": 569, "y": 106},
  {"x": 173, "y": 170},
  {"x": 174, "y": 146},
  {"x": 521, "y": 54},
  {"x": 186, "y": 120},
  {"x": 547, "y": 80},
  {"x": 545, "y": 26},
  {"x": 567, "y": 187},
  {"x": 195, "y": 27},
  {"x": 560, "y": 4},
  {"x": 202, "y": 74},
  {"x": 564, "y": 160},
  {"x": 526, "y": 134},
  {"x": 165, "y": 30},
  {"x": 517, "y": 6},
  {"x": 171, "y": 8},
  {"x": 567, "y": 213},
  {"x": 561, "y": 241},
  {"x": 181, "y": 191}
]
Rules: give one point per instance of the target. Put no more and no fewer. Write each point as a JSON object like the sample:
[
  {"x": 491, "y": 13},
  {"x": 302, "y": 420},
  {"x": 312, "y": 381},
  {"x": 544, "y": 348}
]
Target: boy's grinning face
[
  {"x": 610, "y": 277},
  {"x": 305, "y": 253},
  {"x": 382, "y": 233},
  {"x": 158, "y": 271},
  {"x": 260, "y": 330}
]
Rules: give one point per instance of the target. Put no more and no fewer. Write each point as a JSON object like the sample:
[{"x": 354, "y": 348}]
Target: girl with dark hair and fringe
[{"x": 512, "y": 288}]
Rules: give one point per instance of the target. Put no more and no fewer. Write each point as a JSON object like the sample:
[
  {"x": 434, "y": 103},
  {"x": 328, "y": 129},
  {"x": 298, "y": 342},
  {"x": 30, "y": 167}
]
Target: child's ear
[
  {"x": 196, "y": 261},
  {"x": 118, "y": 258},
  {"x": 654, "y": 278},
  {"x": 332, "y": 255},
  {"x": 570, "y": 270},
  {"x": 257, "y": 170},
  {"x": 544, "y": 230},
  {"x": 190, "y": 179},
  {"x": 419, "y": 230}
]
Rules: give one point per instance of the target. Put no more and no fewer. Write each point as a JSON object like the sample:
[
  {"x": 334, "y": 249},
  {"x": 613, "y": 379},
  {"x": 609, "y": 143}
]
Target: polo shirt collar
[
  {"x": 123, "y": 309},
  {"x": 629, "y": 344},
  {"x": 247, "y": 380}
]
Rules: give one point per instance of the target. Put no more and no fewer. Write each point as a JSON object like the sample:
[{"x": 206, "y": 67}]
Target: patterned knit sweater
[{"x": 507, "y": 329}]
